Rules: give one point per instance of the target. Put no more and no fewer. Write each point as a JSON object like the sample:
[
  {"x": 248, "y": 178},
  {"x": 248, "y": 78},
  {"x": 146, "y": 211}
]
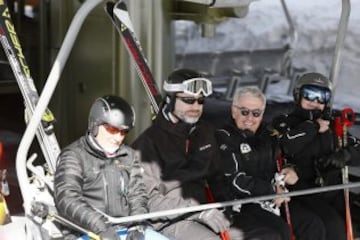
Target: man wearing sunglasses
[
  {"x": 99, "y": 174},
  {"x": 250, "y": 169},
  {"x": 309, "y": 142},
  {"x": 179, "y": 155}
]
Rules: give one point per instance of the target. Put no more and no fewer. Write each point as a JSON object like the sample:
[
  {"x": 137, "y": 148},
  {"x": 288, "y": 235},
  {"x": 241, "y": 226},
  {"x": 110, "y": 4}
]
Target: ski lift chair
[{"x": 241, "y": 79}]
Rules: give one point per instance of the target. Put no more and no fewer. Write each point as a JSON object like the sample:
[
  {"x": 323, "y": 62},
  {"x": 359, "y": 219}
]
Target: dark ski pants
[
  {"x": 242, "y": 229},
  {"x": 307, "y": 225},
  {"x": 258, "y": 223},
  {"x": 332, "y": 219}
]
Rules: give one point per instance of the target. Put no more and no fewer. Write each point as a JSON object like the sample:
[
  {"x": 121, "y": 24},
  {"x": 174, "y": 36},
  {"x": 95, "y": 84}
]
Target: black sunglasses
[
  {"x": 245, "y": 111},
  {"x": 192, "y": 100}
]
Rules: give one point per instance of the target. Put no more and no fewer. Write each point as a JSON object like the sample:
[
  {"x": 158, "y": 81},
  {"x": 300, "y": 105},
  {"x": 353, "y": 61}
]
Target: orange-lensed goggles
[{"x": 114, "y": 130}]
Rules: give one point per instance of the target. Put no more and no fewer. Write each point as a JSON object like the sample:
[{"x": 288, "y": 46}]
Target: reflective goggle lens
[
  {"x": 114, "y": 130},
  {"x": 191, "y": 100},
  {"x": 312, "y": 93}
]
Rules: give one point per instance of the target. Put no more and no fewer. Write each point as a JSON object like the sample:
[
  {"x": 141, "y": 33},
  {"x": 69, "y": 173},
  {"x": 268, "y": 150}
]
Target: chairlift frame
[{"x": 54, "y": 76}]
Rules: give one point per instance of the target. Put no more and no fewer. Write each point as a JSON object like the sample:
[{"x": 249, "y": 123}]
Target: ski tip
[
  {"x": 109, "y": 8},
  {"x": 121, "y": 5}
]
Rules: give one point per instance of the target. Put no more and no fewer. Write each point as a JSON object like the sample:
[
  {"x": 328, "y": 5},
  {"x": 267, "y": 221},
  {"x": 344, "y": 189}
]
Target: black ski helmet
[
  {"x": 311, "y": 79},
  {"x": 185, "y": 81},
  {"x": 112, "y": 110}
]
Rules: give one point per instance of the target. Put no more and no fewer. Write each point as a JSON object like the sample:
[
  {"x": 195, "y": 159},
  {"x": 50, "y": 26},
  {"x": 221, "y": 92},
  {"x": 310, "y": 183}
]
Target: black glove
[
  {"x": 136, "y": 232},
  {"x": 308, "y": 114},
  {"x": 214, "y": 219},
  {"x": 109, "y": 234},
  {"x": 279, "y": 125},
  {"x": 335, "y": 160}
]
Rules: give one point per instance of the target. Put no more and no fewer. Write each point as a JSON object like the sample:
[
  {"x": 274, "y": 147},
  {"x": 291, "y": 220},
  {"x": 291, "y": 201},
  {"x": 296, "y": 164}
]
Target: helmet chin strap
[{"x": 169, "y": 115}]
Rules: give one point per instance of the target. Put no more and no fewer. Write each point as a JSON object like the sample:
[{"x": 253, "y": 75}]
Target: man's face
[
  {"x": 110, "y": 138},
  {"x": 248, "y": 113},
  {"x": 188, "y": 107}
]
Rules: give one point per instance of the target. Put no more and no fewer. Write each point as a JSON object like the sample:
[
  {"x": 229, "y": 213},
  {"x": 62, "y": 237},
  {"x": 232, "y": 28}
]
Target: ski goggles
[
  {"x": 312, "y": 93},
  {"x": 193, "y": 86},
  {"x": 192, "y": 100},
  {"x": 114, "y": 130},
  {"x": 245, "y": 111}
]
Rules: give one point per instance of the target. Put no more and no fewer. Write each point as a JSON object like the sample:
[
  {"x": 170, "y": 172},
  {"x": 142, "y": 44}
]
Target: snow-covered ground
[{"x": 265, "y": 27}]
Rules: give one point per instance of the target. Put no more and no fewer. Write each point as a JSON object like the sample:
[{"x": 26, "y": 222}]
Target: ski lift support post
[
  {"x": 293, "y": 36},
  {"x": 339, "y": 47}
]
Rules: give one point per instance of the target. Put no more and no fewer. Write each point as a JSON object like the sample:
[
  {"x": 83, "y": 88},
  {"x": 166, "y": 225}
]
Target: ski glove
[
  {"x": 335, "y": 160},
  {"x": 214, "y": 219},
  {"x": 136, "y": 232},
  {"x": 110, "y": 234}
]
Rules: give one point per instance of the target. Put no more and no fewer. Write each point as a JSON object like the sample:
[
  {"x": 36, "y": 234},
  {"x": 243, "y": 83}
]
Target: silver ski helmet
[
  {"x": 185, "y": 81},
  {"x": 112, "y": 110},
  {"x": 313, "y": 79}
]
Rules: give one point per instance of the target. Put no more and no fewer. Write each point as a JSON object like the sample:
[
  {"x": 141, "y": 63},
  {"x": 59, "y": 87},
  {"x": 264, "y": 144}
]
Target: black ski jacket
[
  {"x": 303, "y": 146},
  {"x": 177, "y": 159},
  {"x": 249, "y": 161},
  {"x": 86, "y": 179}
]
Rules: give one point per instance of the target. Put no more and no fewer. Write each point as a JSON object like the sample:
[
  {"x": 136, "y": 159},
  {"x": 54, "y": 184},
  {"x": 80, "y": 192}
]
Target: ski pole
[
  {"x": 279, "y": 164},
  {"x": 348, "y": 118},
  {"x": 42, "y": 211},
  {"x": 224, "y": 235},
  {"x": 64, "y": 221}
]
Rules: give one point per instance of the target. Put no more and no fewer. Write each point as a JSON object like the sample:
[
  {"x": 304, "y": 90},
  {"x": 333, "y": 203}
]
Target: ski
[
  {"x": 12, "y": 48},
  {"x": 119, "y": 15}
]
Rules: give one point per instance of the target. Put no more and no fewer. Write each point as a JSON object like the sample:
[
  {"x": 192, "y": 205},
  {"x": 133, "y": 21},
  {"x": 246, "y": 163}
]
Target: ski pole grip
[
  {"x": 338, "y": 126},
  {"x": 348, "y": 116}
]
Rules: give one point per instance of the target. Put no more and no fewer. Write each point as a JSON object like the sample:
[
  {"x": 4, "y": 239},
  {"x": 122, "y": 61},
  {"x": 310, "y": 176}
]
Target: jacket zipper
[{"x": 106, "y": 189}]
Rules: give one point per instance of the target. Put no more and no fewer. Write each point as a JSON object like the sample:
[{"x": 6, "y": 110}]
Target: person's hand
[
  {"x": 109, "y": 234},
  {"x": 336, "y": 160},
  {"x": 214, "y": 219},
  {"x": 324, "y": 125},
  {"x": 136, "y": 232},
  {"x": 280, "y": 200},
  {"x": 290, "y": 175}
]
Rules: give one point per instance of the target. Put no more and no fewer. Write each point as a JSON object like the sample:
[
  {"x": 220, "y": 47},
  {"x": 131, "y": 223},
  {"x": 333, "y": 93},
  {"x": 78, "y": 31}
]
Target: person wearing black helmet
[
  {"x": 308, "y": 141},
  {"x": 99, "y": 174},
  {"x": 180, "y": 156}
]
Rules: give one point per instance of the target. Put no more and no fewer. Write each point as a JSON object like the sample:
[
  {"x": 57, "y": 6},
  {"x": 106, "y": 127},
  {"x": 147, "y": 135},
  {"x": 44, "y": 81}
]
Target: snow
[{"x": 265, "y": 27}]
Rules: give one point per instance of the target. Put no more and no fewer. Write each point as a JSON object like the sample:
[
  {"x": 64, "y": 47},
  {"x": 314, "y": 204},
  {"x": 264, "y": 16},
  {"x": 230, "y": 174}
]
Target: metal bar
[
  {"x": 227, "y": 204},
  {"x": 293, "y": 32},
  {"x": 340, "y": 39}
]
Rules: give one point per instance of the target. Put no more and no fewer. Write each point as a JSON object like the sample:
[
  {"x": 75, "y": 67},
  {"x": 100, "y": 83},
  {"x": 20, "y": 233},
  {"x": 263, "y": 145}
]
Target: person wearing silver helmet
[
  {"x": 98, "y": 174},
  {"x": 309, "y": 142},
  {"x": 180, "y": 156}
]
